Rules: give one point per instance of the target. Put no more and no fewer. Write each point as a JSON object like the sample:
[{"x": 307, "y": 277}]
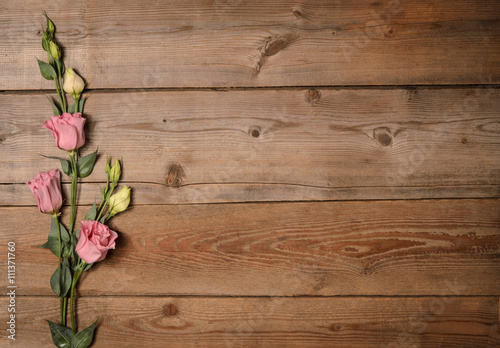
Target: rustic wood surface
[
  {"x": 437, "y": 247},
  {"x": 273, "y": 321},
  {"x": 213, "y": 43},
  {"x": 272, "y": 145},
  {"x": 305, "y": 174}
]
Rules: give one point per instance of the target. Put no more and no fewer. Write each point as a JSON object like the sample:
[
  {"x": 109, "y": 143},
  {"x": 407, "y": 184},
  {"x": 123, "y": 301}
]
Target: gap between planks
[{"x": 268, "y": 88}]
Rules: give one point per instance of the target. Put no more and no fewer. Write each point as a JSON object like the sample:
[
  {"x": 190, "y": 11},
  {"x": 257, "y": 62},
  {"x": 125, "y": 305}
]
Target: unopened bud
[
  {"x": 50, "y": 26},
  {"x": 73, "y": 84},
  {"x": 45, "y": 41},
  {"x": 119, "y": 201},
  {"x": 55, "y": 52},
  {"x": 115, "y": 172},
  {"x": 108, "y": 167}
]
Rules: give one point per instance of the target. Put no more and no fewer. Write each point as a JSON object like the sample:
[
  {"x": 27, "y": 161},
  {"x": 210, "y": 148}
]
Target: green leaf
[
  {"x": 62, "y": 67},
  {"x": 61, "y": 335},
  {"x": 103, "y": 197},
  {"x": 92, "y": 214},
  {"x": 65, "y": 165},
  {"x": 45, "y": 40},
  {"x": 84, "y": 338},
  {"x": 76, "y": 262},
  {"x": 53, "y": 240},
  {"x": 72, "y": 108},
  {"x": 48, "y": 244},
  {"x": 80, "y": 104},
  {"x": 53, "y": 231},
  {"x": 55, "y": 284},
  {"x": 76, "y": 257},
  {"x": 61, "y": 285},
  {"x": 55, "y": 109},
  {"x": 67, "y": 252},
  {"x": 53, "y": 244},
  {"x": 47, "y": 70},
  {"x": 45, "y": 45},
  {"x": 66, "y": 278},
  {"x": 86, "y": 164}
]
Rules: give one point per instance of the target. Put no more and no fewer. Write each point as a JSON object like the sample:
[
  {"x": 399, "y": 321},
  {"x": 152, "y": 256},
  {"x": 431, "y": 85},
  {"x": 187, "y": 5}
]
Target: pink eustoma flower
[
  {"x": 67, "y": 130},
  {"x": 46, "y": 188},
  {"x": 94, "y": 241}
]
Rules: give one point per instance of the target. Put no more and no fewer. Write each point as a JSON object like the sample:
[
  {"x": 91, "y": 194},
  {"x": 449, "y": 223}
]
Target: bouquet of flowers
[{"x": 76, "y": 249}]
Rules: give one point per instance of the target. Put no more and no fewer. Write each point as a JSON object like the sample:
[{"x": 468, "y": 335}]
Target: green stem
[
  {"x": 78, "y": 273},
  {"x": 60, "y": 261},
  {"x": 77, "y": 100},
  {"x": 109, "y": 217},
  {"x": 74, "y": 181},
  {"x": 59, "y": 94},
  {"x": 105, "y": 195},
  {"x": 60, "y": 245},
  {"x": 100, "y": 206},
  {"x": 62, "y": 93},
  {"x": 61, "y": 305},
  {"x": 65, "y": 309},
  {"x": 60, "y": 97},
  {"x": 106, "y": 201},
  {"x": 60, "y": 80},
  {"x": 103, "y": 208}
]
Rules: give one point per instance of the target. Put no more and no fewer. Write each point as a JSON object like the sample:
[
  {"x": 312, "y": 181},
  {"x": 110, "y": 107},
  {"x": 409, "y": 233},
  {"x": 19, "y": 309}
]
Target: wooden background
[{"x": 305, "y": 173}]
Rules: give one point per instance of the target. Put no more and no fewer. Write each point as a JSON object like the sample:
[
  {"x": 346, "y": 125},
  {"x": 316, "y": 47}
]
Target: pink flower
[
  {"x": 46, "y": 188},
  {"x": 67, "y": 129},
  {"x": 94, "y": 241}
]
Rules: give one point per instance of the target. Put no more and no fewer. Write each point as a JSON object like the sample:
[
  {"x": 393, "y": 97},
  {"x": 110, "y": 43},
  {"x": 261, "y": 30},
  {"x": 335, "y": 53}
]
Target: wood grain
[
  {"x": 220, "y": 43},
  {"x": 267, "y": 145},
  {"x": 345, "y": 215},
  {"x": 436, "y": 247},
  {"x": 270, "y": 322}
]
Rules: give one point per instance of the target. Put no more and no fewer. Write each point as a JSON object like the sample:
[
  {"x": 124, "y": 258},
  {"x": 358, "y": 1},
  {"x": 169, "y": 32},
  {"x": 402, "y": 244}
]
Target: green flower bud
[
  {"x": 108, "y": 167},
  {"x": 45, "y": 41},
  {"x": 73, "y": 84},
  {"x": 55, "y": 52},
  {"x": 50, "y": 26},
  {"x": 115, "y": 172},
  {"x": 119, "y": 201}
]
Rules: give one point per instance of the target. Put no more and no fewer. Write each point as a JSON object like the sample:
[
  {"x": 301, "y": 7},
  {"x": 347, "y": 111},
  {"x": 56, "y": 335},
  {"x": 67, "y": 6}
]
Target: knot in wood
[
  {"x": 313, "y": 95},
  {"x": 254, "y": 131},
  {"x": 383, "y": 136},
  {"x": 297, "y": 12},
  {"x": 275, "y": 44},
  {"x": 389, "y": 33},
  {"x": 169, "y": 310},
  {"x": 335, "y": 327},
  {"x": 175, "y": 175}
]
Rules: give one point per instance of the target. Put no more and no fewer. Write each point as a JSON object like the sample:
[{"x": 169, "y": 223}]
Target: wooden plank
[
  {"x": 267, "y": 145},
  {"x": 436, "y": 247},
  {"x": 270, "y": 322},
  {"x": 152, "y": 194},
  {"x": 123, "y": 44}
]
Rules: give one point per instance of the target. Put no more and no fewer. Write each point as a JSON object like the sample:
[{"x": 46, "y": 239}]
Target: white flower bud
[
  {"x": 119, "y": 201},
  {"x": 73, "y": 84}
]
